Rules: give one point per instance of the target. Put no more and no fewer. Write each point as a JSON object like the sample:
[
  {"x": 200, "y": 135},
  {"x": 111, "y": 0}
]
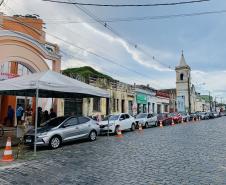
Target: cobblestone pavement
[{"x": 193, "y": 153}]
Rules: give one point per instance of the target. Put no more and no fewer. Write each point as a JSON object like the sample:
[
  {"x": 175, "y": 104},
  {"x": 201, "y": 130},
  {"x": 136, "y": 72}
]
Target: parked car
[
  {"x": 176, "y": 117},
  {"x": 166, "y": 120},
  {"x": 211, "y": 115},
  {"x": 193, "y": 115},
  {"x": 204, "y": 115},
  {"x": 58, "y": 130},
  {"x": 185, "y": 116},
  {"x": 223, "y": 113},
  {"x": 146, "y": 120},
  {"x": 119, "y": 121},
  {"x": 216, "y": 114}
]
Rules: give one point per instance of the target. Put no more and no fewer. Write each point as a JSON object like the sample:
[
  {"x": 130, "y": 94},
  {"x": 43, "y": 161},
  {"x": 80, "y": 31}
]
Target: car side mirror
[
  {"x": 120, "y": 119},
  {"x": 65, "y": 125}
]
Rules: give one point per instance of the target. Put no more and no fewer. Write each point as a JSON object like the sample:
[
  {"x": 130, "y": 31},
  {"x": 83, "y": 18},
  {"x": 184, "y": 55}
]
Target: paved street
[{"x": 193, "y": 153}]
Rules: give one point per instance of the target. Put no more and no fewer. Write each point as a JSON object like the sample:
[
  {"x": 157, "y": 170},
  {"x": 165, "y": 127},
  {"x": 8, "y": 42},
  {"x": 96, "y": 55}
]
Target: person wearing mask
[{"x": 52, "y": 114}]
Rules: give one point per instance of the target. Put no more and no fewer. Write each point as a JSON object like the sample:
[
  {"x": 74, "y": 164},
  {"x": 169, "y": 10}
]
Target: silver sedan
[{"x": 62, "y": 129}]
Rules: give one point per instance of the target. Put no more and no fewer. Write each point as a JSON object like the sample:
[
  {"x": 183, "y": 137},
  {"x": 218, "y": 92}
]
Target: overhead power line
[
  {"x": 129, "y": 5},
  {"x": 131, "y": 19},
  {"x": 107, "y": 26},
  {"x": 81, "y": 48}
]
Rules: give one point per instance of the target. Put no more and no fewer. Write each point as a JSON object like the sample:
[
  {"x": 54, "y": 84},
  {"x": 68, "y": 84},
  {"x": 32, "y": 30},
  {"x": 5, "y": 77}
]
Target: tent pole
[
  {"x": 36, "y": 120},
  {"x": 109, "y": 112}
]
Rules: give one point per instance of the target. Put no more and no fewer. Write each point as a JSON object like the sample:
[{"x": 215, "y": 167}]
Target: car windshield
[
  {"x": 111, "y": 118},
  {"x": 54, "y": 122},
  {"x": 142, "y": 115},
  {"x": 183, "y": 114},
  {"x": 172, "y": 114}
]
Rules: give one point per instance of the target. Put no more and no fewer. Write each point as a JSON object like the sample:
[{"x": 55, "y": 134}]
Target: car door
[
  {"x": 70, "y": 129},
  {"x": 122, "y": 122},
  {"x": 168, "y": 119},
  {"x": 128, "y": 121},
  {"x": 84, "y": 126},
  {"x": 149, "y": 119}
]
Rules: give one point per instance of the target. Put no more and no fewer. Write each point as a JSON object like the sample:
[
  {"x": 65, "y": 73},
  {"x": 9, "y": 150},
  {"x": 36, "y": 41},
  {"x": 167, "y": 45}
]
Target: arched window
[{"x": 181, "y": 76}]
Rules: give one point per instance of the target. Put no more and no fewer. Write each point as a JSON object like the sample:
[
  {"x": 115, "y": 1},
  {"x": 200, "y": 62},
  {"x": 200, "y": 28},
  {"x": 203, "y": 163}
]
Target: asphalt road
[{"x": 192, "y": 153}]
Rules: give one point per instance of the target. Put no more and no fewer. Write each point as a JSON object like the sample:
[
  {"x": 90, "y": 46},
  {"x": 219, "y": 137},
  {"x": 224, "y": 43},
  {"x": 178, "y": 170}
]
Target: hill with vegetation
[{"x": 85, "y": 72}]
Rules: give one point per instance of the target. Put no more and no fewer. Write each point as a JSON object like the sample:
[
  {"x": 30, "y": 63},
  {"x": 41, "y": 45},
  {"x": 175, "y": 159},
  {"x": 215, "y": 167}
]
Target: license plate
[{"x": 28, "y": 140}]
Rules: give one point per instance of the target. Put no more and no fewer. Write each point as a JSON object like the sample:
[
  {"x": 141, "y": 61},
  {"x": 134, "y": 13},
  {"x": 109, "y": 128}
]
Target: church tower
[{"x": 183, "y": 85}]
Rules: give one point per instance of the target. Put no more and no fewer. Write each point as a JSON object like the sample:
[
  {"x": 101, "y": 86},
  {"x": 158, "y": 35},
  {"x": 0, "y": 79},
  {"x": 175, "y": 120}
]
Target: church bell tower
[{"x": 183, "y": 86}]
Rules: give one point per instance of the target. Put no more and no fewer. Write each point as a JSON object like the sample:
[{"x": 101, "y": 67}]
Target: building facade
[
  {"x": 121, "y": 99},
  {"x": 162, "y": 102},
  {"x": 172, "y": 99},
  {"x": 145, "y": 100},
  {"x": 24, "y": 50}
]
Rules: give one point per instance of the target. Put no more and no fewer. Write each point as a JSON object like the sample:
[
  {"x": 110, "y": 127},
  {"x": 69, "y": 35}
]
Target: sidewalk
[{"x": 9, "y": 132}]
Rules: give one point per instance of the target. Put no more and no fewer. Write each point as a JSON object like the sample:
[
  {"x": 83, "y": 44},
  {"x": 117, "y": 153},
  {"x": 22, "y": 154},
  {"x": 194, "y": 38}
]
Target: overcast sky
[{"x": 202, "y": 38}]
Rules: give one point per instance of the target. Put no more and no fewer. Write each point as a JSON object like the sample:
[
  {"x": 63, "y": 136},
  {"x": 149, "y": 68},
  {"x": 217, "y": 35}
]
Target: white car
[
  {"x": 117, "y": 122},
  {"x": 146, "y": 120}
]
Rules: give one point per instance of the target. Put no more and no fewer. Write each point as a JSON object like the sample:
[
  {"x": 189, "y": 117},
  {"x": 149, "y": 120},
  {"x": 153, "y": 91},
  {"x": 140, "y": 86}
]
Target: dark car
[
  {"x": 204, "y": 115},
  {"x": 211, "y": 115},
  {"x": 193, "y": 116},
  {"x": 166, "y": 120}
]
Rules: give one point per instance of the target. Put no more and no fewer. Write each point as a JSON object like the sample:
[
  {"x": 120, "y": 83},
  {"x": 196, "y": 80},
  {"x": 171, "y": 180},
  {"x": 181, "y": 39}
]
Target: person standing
[
  {"x": 19, "y": 114},
  {"x": 52, "y": 114},
  {"x": 46, "y": 116},
  {"x": 10, "y": 115}
]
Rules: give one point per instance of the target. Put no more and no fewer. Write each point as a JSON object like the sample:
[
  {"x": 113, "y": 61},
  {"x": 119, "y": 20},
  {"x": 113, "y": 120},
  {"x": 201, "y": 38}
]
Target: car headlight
[{"x": 42, "y": 134}]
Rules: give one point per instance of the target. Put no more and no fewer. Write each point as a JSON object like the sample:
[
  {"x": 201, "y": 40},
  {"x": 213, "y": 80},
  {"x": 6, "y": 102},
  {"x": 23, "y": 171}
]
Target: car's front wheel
[
  {"x": 133, "y": 127},
  {"x": 156, "y": 123},
  {"x": 55, "y": 142},
  {"x": 117, "y": 129},
  {"x": 92, "y": 135}
]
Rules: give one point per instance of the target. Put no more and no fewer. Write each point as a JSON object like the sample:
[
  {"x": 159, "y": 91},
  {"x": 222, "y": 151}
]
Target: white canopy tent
[{"x": 49, "y": 84}]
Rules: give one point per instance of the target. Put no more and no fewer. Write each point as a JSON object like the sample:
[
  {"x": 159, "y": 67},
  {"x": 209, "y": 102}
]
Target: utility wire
[
  {"x": 129, "y": 5},
  {"x": 107, "y": 26},
  {"x": 81, "y": 48},
  {"x": 131, "y": 19},
  {"x": 93, "y": 53}
]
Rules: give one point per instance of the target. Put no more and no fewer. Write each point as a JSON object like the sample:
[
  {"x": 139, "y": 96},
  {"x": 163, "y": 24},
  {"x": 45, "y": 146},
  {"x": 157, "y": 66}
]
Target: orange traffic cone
[
  {"x": 160, "y": 124},
  {"x": 140, "y": 127},
  {"x": 119, "y": 133},
  {"x": 172, "y": 122},
  {"x": 8, "y": 153}
]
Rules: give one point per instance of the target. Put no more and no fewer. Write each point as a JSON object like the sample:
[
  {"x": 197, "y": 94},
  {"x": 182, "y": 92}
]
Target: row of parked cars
[{"x": 62, "y": 129}]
